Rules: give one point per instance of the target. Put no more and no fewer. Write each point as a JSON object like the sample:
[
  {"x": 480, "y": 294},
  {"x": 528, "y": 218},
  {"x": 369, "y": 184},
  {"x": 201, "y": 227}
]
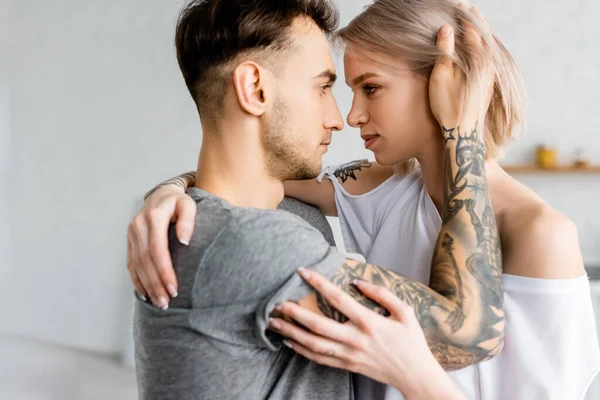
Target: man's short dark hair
[{"x": 212, "y": 33}]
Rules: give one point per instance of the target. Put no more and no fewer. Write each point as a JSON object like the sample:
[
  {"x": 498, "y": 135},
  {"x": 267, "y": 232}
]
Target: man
[{"x": 261, "y": 74}]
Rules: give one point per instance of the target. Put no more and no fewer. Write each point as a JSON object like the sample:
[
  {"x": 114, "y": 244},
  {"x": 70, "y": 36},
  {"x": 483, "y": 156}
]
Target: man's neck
[{"x": 233, "y": 168}]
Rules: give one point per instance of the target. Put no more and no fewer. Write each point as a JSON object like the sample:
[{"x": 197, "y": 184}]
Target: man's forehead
[
  {"x": 311, "y": 46},
  {"x": 314, "y": 62}
]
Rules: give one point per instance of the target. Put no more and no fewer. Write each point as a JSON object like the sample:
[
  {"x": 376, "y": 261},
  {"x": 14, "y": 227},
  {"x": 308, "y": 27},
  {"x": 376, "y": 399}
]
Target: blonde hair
[{"x": 408, "y": 29}]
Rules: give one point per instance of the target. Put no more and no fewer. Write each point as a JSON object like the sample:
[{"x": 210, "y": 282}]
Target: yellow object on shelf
[{"x": 546, "y": 157}]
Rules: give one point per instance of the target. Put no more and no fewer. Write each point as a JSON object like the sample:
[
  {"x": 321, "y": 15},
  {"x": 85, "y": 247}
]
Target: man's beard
[{"x": 283, "y": 151}]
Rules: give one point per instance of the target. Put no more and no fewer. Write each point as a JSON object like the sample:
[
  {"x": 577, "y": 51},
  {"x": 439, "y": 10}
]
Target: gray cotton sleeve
[
  {"x": 294, "y": 288},
  {"x": 251, "y": 268}
]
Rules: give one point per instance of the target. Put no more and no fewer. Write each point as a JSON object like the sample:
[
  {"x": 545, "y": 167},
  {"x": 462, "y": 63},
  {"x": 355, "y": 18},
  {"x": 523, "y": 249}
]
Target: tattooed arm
[
  {"x": 182, "y": 182},
  {"x": 461, "y": 312}
]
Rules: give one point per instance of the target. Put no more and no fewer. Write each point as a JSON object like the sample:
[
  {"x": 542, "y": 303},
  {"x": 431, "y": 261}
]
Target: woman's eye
[{"x": 369, "y": 90}]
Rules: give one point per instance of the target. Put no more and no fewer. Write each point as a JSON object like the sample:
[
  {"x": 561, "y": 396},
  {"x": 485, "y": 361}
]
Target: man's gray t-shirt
[{"x": 213, "y": 343}]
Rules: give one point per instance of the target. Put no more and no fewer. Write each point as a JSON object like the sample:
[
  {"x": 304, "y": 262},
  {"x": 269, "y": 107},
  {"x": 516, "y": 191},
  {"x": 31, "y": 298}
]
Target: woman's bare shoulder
[
  {"x": 540, "y": 242},
  {"x": 362, "y": 176}
]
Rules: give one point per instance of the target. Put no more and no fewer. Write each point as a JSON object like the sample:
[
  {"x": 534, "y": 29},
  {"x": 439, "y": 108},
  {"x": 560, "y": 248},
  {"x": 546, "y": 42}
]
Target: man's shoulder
[
  {"x": 268, "y": 239},
  {"x": 256, "y": 226},
  {"x": 243, "y": 219},
  {"x": 214, "y": 211},
  {"x": 225, "y": 234},
  {"x": 260, "y": 250}
]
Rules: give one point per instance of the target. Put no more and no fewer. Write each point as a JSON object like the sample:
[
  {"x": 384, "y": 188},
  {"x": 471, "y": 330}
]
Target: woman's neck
[{"x": 432, "y": 167}]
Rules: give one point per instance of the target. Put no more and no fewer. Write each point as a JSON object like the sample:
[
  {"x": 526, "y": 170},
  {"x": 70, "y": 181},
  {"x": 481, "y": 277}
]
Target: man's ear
[{"x": 249, "y": 82}]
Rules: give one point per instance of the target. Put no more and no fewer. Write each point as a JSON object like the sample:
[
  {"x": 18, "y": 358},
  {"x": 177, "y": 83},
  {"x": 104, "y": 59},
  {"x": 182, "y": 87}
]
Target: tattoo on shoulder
[{"x": 347, "y": 171}]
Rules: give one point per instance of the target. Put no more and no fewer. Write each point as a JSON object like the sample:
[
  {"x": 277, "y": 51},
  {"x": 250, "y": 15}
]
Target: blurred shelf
[{"x": 532, "y": 169}]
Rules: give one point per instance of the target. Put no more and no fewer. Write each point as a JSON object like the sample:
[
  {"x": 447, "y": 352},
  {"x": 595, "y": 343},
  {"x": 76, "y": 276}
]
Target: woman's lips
[{"x": 369, "y": 140}]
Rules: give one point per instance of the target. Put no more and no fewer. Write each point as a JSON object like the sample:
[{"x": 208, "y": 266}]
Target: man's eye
[{"x": 325, "y": 88}]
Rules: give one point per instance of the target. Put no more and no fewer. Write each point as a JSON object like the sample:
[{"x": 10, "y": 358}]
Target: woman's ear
[{"x": 249, "y": 83}]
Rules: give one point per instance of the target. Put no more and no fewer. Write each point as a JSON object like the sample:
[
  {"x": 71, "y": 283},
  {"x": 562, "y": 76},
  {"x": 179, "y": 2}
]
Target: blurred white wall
[
  {"x": 99, "y": 113},
  {"x": 554, "y": 45},
  {"x": 5, "y": 143}
]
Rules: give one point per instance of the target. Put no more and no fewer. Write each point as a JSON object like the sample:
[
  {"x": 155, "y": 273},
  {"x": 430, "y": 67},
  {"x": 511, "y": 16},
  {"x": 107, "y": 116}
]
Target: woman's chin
[
  {"x": 381, "y": 159},
  {"x": 388, "y": 160}
]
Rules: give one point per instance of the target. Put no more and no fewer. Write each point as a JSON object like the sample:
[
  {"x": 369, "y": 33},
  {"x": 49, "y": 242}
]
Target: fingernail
[
  {"x": 142, "y": 297},
  {"x": 172, "y": 291},
  {"x": 184, "y": 242},
  {"x": 162, "y": 303},
  {"x": 288, "y": 344},
  {"x": 304, "y": 273},
  {"x": 278, "y": 307},
  {"x": 445, "y": 31},
  {"x": 274, "y": 323}
]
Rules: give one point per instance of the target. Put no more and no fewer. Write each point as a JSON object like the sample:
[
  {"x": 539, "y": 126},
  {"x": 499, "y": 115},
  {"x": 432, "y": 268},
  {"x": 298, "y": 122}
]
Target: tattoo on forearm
[
  {"x": 448, "y": 134},
  {"x": 348, "y": 170},
  {"x": 455, "y": 357},
  {"x": 461, "y": 312},
  {"x": 344, "y": 278},
  {"x": 468, "y": 215},
  {"x": 184, "y": 181}
]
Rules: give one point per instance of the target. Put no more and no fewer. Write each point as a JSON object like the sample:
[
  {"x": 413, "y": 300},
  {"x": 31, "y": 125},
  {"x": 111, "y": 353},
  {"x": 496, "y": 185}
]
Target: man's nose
[{"x": 334, "y": 119}]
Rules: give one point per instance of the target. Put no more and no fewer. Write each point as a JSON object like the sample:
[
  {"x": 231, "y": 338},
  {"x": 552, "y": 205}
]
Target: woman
[{"x": 389, "y": 212}]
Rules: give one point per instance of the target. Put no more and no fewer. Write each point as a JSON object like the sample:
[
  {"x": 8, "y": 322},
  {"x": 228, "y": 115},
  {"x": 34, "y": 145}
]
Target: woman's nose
[{"x": 356, "y": 118}]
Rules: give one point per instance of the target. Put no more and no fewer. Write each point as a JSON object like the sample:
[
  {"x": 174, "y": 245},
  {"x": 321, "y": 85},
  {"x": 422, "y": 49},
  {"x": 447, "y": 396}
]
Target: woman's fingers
[
  {"x": 144, "y": 265},
  {"x": 322, "y": 359},
  {"x": 185, "y": 214},
  {"x": 137, "y": 284},
  {"x": 134, "y": 260},
  {"x": 158, "y": 223},
  {"x": 318, "y": 324},
  {"x": 148, "y": 257},
  {"x": 315, "y": 343},
  {"x": 335, "y": 296},
  {"x": 397, "y": 308},
  {"x": 472, "y": 37},
  {"x": 445, "y": 43}
]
